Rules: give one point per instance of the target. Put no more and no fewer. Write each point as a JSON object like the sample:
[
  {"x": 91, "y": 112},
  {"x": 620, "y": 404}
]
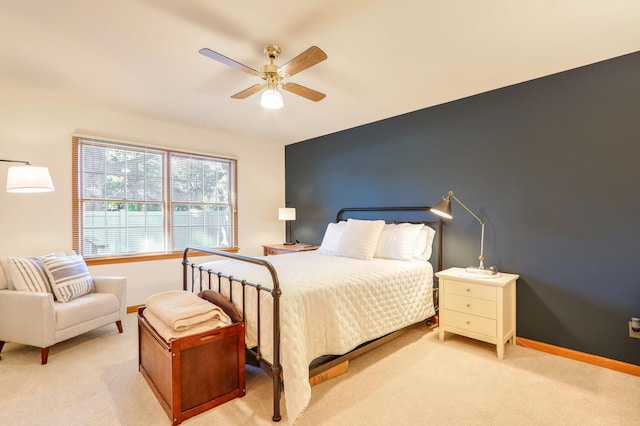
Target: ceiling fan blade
[
  {"x": 248, "y": 92},
  {"x": 305, "y": 92},
  {"x": 227, "y": 61},
  {"x": 306, "y": 59}
]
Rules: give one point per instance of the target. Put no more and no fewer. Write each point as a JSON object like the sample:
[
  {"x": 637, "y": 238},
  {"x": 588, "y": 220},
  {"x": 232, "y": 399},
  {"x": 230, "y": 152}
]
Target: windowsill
[{"x": 93, "y": 261}]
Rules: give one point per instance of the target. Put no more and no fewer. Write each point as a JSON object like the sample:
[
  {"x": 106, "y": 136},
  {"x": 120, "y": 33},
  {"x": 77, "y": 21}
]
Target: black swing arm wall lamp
[{"x": 28, "y": 178}]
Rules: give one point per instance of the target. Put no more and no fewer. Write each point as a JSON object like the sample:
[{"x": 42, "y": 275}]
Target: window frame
[{"x": 167, "y": 203}]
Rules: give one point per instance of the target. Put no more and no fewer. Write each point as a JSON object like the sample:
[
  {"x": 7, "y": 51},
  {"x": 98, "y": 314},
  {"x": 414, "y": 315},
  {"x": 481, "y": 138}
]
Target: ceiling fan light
[{"x": 271, "y": 99}]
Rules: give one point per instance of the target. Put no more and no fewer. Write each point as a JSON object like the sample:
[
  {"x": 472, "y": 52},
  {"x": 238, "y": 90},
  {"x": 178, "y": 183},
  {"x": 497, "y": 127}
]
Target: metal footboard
[{"x": 191, "y": 270}]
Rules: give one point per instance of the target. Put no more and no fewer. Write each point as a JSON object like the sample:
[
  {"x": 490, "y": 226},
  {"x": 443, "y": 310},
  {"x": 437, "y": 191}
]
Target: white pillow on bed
[
  {"x": 424, "y": 243},
  {"x": 398, "y": 241},
  {"x": 332, "y": 237},
  {"x": 360, "y": 238}
]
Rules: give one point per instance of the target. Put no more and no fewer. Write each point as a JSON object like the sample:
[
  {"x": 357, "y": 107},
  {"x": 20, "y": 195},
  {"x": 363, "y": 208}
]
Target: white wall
[{"x": 36, "y": 126}]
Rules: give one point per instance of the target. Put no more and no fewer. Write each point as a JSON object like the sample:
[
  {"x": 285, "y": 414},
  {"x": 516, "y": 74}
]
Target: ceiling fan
[{"x": 273, "y": 75}]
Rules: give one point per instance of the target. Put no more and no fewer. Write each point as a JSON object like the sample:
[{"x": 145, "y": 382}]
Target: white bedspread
[{"x": 330, "y": 305}]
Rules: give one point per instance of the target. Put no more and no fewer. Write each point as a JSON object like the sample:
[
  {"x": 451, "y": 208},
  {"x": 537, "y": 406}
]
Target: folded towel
[
  {"x": 181, "y": 310},
  {"x": 169, "y": 334}
]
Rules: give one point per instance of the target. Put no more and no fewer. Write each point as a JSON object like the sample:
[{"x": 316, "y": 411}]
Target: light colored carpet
[{"x": 413, "y": 380}]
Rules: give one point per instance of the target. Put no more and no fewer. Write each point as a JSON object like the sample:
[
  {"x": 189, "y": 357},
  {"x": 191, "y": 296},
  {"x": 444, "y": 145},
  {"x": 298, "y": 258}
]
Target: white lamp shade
[
  {"x": 29, "y": 179},
  {"x": 286, "y": 213},
  {"x": 271, "y": 99}
]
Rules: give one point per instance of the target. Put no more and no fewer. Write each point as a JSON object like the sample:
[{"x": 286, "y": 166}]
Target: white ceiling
[{"x": 385, "y": 57}]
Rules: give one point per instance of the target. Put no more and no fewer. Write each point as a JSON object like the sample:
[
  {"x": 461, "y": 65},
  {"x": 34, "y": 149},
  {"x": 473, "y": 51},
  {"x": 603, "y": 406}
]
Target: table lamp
[
  {"x": 288, "y": 214},
  {"x": 443, "y": 208}
]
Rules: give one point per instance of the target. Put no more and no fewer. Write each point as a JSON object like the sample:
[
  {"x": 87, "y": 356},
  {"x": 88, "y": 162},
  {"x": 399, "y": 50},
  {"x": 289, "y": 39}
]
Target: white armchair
[{"x": 34, "y": 318}]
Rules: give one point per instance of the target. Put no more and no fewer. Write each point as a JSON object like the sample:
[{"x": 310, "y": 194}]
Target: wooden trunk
[{"x": 195, "y": 373}]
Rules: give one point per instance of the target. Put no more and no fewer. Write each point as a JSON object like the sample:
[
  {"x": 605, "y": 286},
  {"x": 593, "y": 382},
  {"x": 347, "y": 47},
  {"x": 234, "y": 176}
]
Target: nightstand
[
  {"x": 477, "y": 307},
  {"x": 272, "y": 249}
]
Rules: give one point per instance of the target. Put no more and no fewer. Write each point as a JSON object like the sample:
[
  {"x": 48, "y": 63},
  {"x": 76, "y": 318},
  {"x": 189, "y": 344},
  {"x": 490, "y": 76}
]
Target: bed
[{"x": 306, "y": 312}]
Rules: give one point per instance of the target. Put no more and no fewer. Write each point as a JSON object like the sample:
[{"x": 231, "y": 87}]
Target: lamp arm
[
  {"x": 26, "y": 163},
  {"x": 481, "y": 223},
  {"x": 467, "y": 208}
]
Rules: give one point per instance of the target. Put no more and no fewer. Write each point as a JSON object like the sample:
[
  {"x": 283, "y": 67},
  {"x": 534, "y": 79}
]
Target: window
[{"x": 138, "y": 200}]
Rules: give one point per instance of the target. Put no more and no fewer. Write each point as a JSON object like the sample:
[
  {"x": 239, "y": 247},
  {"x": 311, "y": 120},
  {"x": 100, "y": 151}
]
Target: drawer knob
[
  {"x": 468, "y": 305},
  {"x": 468, "y": 322},
  {"x": 468, "y": 290}
]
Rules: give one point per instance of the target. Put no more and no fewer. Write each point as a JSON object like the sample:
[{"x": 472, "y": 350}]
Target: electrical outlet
[{"x": 635, "y": 334}]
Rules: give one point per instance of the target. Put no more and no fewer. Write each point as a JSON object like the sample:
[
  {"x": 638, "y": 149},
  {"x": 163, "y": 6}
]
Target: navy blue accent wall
[{"x": 551, "y": 164}]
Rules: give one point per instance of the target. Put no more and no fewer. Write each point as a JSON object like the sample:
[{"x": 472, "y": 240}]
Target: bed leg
[{"x": 277, "y": 392}]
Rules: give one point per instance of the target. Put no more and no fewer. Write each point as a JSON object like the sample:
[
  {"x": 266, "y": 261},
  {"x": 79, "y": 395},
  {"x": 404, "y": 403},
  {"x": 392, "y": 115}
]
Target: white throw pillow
[
  {"x": 360, "y": 238},
  {"x": 424, "y": 243},
  {"x": 332, "y": 237},
  {"x": 5, "y": 273},
  {"x": 398, "y": 241},
  {"x": 69, "y": 276},
  {"x": 28, "y": 274}
]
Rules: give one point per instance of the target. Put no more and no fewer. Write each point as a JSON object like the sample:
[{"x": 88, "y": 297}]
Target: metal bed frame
[{"x": 274, "y": 369}]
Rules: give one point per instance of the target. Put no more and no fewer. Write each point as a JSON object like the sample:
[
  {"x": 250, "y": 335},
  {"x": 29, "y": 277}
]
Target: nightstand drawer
[
  {"x": 271, "y": 251},
  {"x": 471, "y": 305},
  {"x": 468, "y": 322},
  {"x": 471, "y": 290}
]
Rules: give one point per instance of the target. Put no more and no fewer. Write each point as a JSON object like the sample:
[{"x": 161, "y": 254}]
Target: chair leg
[
  {"x": 44, "y": 355},
  {"x": 119, "y": 325},
  {"x": 1, "y": 346}
]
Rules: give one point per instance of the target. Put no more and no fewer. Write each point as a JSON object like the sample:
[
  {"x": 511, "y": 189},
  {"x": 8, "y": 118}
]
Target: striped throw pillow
[
  {"x": 69, "y": 277},
  {"x": 28, "y": 274}
]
